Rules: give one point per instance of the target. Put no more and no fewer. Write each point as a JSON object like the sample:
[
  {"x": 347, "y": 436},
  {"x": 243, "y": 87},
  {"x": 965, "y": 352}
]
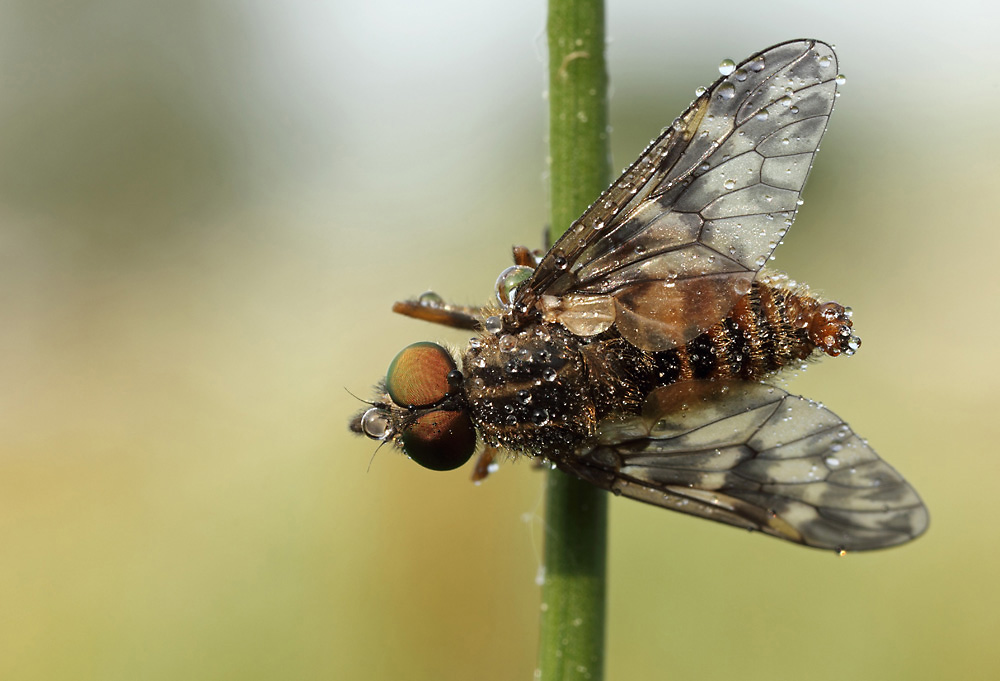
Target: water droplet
[
  {"x": 740, "y": 75},
  {"x": 430, "y": 299},
  {"x": 757, "y": 65},
  {"x": 540, "y": 417},
  {"x": 785, "y": 101},
  {"x": 727, "y": 66},
  {"x": 825, "y": 61},
  {"x": 493, "y": 324},
  {"x": 523, "y": 396},
  {"x": 550, "y": 374},
  {"x": 727, "y": 90},
  {"x": 700, "y": 91},
  {"x": 741, "y": 286},
  {"x": 841, "y": 79},
  {"x": 509, "y": 281},
  {"x": 375, "y": 424},
  {"x": 729, "y": 184},
  {"x": 559, "y": 260},
  {"x": 762, "y": 115}
]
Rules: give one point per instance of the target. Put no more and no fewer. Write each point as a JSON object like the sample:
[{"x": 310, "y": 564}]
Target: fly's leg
[
  {"x": 430, "y": 307},
  {"x": 525, "y": 257},
  {"x": 485, "y": 464}
]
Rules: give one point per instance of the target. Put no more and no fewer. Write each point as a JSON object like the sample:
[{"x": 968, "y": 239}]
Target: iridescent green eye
[
  {"x": 418, "y": 376},
  {"x": 440, "y": 440}
]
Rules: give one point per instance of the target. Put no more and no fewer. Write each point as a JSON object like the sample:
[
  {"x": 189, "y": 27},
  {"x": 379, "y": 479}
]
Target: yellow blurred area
[{"x": 205, "y": 215}]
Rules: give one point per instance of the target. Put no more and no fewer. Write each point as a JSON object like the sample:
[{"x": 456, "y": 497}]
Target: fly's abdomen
[{"x": 773, "y": 326}]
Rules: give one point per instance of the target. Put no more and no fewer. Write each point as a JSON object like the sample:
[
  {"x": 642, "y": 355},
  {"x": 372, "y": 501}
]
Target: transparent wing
[
  {"x": 753, "y": 456},
  {"x": 671, "y": 246}
]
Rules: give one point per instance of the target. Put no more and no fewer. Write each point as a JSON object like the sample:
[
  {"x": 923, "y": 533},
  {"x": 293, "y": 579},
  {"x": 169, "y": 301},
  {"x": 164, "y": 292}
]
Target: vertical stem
[{"x": 573, "y": 596}]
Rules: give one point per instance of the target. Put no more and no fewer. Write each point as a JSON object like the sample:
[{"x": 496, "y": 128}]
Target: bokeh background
[{"x": 206, "y": 210}]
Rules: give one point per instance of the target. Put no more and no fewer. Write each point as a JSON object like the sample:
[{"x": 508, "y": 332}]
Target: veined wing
[
  {"x": 753, "y": 456},
  {"x": 669, "y": 248}
]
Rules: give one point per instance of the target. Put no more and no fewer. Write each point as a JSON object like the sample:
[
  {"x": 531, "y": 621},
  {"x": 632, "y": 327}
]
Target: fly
[{"x": 634, "y": 353}]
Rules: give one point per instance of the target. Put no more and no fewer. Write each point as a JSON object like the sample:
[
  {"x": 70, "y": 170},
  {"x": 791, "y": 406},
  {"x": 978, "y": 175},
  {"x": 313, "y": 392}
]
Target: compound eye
[
  {"x": 440, "y": 440},
  {"x": 418, "y": 376}
]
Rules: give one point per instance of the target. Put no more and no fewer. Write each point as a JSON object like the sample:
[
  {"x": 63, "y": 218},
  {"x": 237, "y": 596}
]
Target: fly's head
[{"x": 420, "y": 407}]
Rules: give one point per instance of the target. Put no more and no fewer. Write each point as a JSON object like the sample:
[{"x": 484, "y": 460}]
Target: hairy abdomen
[{"x": 771, "y": 327}]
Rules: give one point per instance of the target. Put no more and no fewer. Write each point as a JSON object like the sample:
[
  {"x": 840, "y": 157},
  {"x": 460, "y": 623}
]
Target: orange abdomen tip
[{"x": 830, "y": 328}]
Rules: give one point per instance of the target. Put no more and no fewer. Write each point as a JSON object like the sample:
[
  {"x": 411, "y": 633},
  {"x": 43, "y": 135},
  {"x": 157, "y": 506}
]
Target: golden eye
[{"x": 418, "y": 376}]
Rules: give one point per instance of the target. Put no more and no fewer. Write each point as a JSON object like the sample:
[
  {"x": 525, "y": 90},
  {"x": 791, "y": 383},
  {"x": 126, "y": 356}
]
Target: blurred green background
[{"x": 206, "y": 211}]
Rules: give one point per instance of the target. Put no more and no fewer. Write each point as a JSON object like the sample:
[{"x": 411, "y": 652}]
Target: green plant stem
[{"x": 573, "y": 595}]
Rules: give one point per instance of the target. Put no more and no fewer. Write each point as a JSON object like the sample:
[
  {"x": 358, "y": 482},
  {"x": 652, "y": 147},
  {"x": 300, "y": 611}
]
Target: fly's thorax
[{"x": 527, "y": 390}]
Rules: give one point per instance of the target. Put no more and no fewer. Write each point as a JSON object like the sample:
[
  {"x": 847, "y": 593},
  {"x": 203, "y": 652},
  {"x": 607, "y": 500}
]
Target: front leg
[
  {"x": 431, "y": 308},
  {"x": 485, "y": 464}
]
